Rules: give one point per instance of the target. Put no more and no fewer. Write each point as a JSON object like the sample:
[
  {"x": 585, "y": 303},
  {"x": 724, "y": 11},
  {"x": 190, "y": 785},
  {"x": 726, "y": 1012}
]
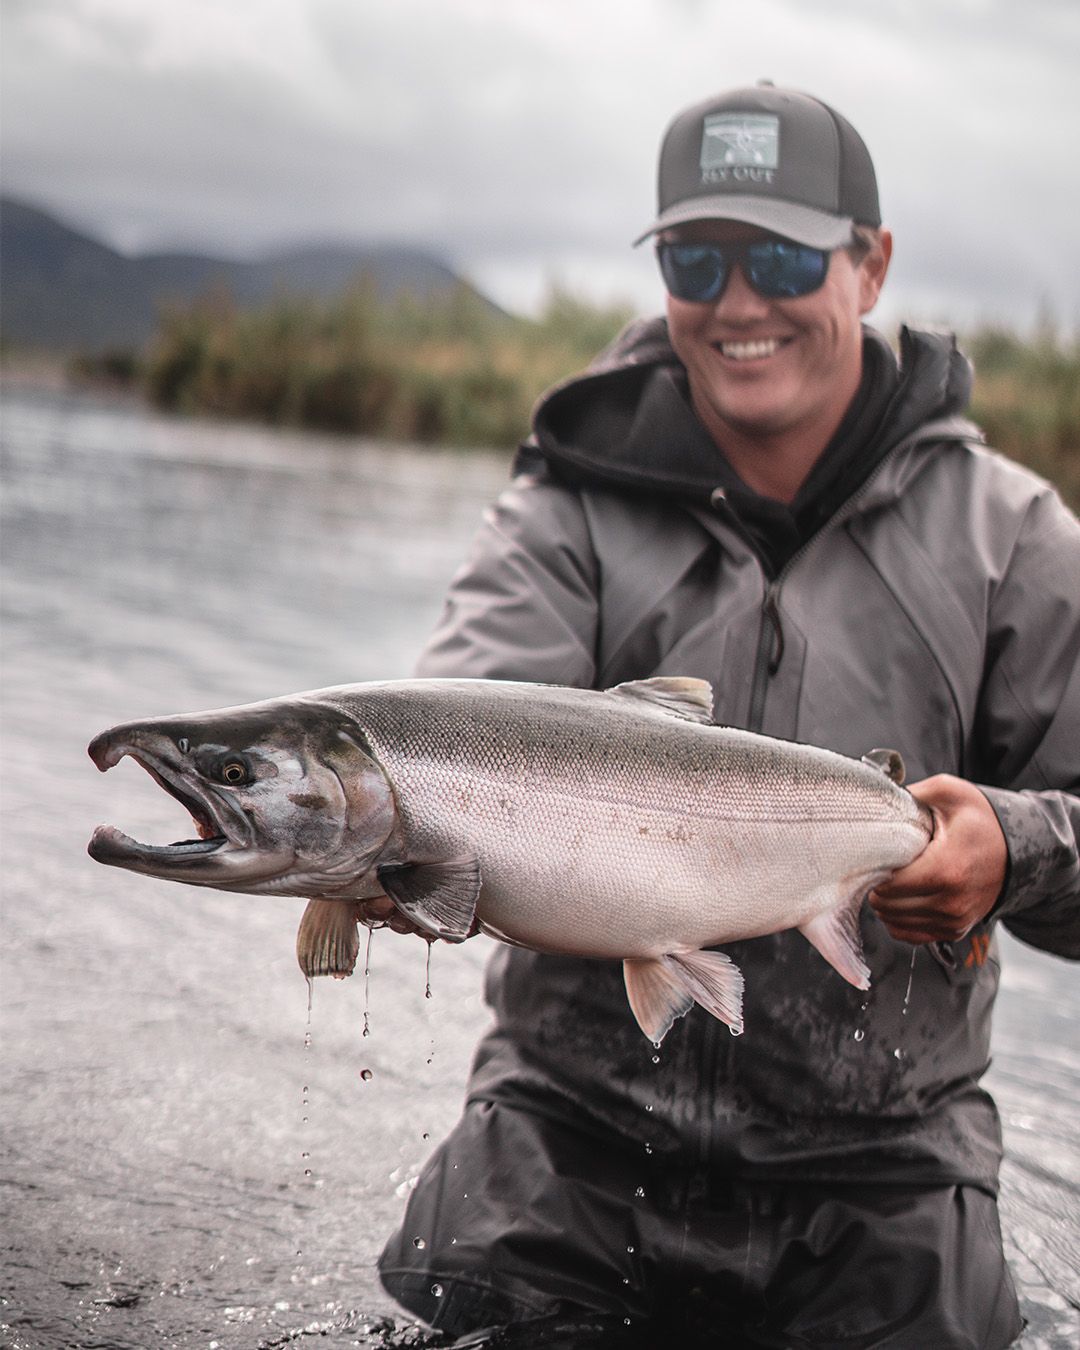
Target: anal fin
[
  {"x": 835, "y": 933},
  {"x": 327, "y": 941},
  {"x": 439, "y": 897},
  {"x": 662, "y": 990}
]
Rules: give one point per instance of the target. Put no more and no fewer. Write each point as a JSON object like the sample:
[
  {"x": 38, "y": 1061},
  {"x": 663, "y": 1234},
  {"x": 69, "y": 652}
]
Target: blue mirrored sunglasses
[{"x": 778, "y": 269}]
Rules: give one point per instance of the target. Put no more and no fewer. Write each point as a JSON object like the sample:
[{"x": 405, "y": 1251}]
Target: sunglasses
[{"x": 776, "y": 268}]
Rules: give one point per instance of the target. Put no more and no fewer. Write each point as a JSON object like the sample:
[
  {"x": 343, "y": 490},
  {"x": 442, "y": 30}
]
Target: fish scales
[{"x": 586, "y": 811}]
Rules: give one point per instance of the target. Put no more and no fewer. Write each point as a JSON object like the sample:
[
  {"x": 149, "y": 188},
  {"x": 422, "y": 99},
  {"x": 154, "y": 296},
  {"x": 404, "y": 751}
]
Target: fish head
[{"x": 286, "y": 797}]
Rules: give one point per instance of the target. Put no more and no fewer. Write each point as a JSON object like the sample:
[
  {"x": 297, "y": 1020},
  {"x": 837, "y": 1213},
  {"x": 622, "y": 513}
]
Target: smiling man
[{"x": 757, "y": 492}]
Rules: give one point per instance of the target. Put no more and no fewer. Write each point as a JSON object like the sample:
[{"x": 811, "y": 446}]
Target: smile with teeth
[{"x": 750, "y": 351}]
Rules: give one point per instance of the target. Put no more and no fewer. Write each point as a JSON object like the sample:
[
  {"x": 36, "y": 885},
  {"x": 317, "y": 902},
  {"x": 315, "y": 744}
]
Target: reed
[{"x": 455, "y": 370}]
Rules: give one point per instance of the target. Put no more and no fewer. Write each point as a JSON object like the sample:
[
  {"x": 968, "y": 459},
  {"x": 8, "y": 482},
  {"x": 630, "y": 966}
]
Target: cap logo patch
[{"x": 740, "y": 147}]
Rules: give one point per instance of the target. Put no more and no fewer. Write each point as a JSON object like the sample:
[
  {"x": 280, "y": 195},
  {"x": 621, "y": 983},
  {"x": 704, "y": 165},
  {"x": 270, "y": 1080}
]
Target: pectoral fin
[
  {"x": 439, "y": 897},
  {"x": 327, "y": 941},
  {"x": 835, "y": 934},
  {"x": 665, "y": 989}
]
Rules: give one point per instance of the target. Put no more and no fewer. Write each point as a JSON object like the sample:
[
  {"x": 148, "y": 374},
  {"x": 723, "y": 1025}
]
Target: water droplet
[
  {"x": 648, "y": 1106},
  {"x": 736, "y": 1031},
  {"x": 427, "y": 971},
  {"x": 656, "y": 1045},
  {"x": 639, "y": 1192},
  {"x": 648, "y": 1148},
  {"x": 656, "y": 1059},
  {"x": 425, "y": 1135},
  {"x": 305, "y": 1155},
  {"x": 626, "y": 1279},
  {"x": 626, "y": 1321},
  {"x": 898, "y": 1053},
  {"x": 419, "y": 1243},
  {"x": 366, "y": 1075},
  {"x": 437, "y": 1290},
  {"x": 911, "y": 976},
  {"x": 453, "y": 1242},
  {"x": 859, "y": 1033},
  {"x": 367, "y": 980},
  {"x": 630, "y": 1250},
  {"x": 307, "y": 1171}
]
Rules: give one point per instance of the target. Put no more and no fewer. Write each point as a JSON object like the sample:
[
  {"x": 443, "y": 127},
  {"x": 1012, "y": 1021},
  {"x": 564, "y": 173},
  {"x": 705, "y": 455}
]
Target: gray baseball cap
[{"x": 770, "y": 157}]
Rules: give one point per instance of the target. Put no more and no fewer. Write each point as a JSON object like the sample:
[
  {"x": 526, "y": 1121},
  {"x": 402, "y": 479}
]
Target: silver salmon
[{"x": 619, "y": 824}]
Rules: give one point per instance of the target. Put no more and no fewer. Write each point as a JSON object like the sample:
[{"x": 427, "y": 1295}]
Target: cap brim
[{"x": 804, "y": 224}]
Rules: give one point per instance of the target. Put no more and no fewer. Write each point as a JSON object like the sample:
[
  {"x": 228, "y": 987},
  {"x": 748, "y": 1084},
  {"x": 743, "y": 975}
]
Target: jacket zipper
[
  {"x": 770, "y": 647},
  {"x": 770, "y": 652}
]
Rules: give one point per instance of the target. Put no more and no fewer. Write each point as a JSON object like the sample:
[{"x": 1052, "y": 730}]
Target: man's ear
[{"x": 873, "y": 269}]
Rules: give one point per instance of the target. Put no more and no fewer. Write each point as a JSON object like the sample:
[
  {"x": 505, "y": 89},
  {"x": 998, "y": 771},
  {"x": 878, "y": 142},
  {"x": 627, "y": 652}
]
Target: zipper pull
[{"x": 771, "y": 610}]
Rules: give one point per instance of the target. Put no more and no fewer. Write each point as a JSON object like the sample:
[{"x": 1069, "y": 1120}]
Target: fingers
[
  {"x": 379, "y": 911},
  {"x": 956, "y": 880}
]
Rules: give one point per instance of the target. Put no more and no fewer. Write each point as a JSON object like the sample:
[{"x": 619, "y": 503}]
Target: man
[{"x": 759, "y": 494}]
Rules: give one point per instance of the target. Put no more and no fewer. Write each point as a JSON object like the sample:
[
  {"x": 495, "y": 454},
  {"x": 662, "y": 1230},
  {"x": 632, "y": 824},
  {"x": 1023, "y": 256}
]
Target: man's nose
[{"x": 738, "y": 301}]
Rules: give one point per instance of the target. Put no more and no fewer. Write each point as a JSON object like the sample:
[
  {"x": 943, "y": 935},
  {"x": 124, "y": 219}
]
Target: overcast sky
[{"x": 518, "y": 138}]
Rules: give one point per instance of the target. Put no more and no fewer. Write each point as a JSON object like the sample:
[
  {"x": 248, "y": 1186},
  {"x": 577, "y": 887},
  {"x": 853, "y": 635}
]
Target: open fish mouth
[{"x": 214, "y": 836}]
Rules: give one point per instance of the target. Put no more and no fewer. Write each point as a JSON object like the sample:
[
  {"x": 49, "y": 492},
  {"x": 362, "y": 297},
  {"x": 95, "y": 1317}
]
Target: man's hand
[
  {"x": 957, "y": 878},
  {"x": 379, "y": 911}
]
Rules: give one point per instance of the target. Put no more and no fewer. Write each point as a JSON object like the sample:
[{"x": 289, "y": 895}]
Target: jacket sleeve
[
  {"x": 1031, "y": 722},
  {"x": 524, "y": 604}
]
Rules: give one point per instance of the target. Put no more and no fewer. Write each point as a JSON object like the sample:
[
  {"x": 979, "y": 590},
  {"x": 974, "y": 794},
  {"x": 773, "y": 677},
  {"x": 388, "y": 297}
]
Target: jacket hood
[{"x": 601, "y": 428}]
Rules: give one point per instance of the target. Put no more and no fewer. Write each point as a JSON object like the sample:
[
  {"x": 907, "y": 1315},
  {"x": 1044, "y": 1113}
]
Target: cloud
[{"x": 520, "y": 139}]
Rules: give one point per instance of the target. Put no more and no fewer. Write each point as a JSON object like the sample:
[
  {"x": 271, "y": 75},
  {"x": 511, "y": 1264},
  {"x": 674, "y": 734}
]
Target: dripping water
[
  {"x": 367, "y": 980},
  {"x": 911, "y": 976}
]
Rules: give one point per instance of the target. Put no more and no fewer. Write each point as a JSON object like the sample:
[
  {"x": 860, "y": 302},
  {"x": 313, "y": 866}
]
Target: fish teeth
[{"x": 750, "y": 351}]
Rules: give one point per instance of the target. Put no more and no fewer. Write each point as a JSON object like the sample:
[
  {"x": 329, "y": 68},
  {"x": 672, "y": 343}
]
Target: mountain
[{"x": 62, "y": 290}]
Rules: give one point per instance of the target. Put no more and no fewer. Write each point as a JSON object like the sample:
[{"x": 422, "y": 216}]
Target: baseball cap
[{"x": 771, "y": 157}]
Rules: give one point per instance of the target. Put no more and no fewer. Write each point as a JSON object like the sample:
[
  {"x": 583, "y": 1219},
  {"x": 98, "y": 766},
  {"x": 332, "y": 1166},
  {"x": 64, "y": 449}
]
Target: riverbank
[{"x": 456, "y": 371}]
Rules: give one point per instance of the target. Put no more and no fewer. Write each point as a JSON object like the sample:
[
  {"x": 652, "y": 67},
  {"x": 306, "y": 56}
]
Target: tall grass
[
  {"x": 455, "y": 370},
  {"x": 1027, "y": 400},
  {"x": 450, "y": 369}
]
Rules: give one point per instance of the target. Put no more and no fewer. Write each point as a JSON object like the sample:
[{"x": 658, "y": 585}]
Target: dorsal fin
[
  {"x": 888, "y": 762},
  {"x": 677, "y": 695}
]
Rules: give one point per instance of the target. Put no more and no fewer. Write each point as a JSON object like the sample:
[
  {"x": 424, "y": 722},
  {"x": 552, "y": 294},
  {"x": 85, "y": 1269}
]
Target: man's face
[{"x": 768, "y": 369}]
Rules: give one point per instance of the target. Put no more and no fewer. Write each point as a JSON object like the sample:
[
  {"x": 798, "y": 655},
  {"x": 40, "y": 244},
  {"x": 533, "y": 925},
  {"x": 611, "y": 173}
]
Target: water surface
[{"x": 180, "y": 1167}]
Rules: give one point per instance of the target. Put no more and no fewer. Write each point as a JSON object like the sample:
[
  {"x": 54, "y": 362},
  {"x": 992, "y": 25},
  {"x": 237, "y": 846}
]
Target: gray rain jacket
[{"x": 938, "y": 612}]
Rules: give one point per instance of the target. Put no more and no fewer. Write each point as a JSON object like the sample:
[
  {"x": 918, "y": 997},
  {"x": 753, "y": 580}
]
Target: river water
[{"x": 189, "y": 1159}]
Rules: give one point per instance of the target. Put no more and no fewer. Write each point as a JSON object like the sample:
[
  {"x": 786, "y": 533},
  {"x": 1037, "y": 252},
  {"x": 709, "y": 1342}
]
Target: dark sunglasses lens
[
  {"x": 693, "y": 271},
  {"x": 779, "y": 269}
]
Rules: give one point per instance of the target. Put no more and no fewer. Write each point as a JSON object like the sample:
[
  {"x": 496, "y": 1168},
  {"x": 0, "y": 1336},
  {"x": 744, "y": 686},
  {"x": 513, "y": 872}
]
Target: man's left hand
[{"x": 957, "y": 878}]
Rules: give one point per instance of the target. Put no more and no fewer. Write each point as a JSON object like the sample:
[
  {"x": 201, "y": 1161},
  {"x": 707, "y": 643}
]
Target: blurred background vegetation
[{"x": 455, "y": 370}]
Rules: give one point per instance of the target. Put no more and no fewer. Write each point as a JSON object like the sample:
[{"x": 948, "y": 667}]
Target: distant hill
[{"x": 62, "y": 290}]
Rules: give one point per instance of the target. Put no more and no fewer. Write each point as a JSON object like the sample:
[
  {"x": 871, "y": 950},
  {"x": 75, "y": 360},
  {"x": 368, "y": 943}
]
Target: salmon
[{"x": 616, "y": 825}]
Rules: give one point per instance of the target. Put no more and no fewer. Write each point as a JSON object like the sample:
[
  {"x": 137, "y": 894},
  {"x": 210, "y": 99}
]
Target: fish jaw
[
  {"x": 284, "y": 798},
  {"x": 225, "y": 850}
]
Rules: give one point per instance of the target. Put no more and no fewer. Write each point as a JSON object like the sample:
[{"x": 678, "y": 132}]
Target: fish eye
[
  {"x": 233, "y": 771},
  {"x": 183, "y": 745}
]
